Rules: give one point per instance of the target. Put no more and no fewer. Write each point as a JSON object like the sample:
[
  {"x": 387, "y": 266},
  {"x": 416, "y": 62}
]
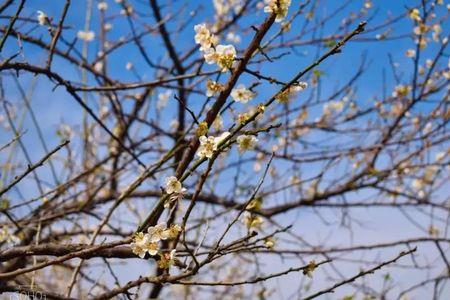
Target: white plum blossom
[
  {"x": 222, "y": 55},
  {"x": 87, "y": 36},
  {"x": 252, "y": 220},
  {"x": 163, "y": 98},
  {"x": 428, "y": 128},
  {"x": 64, "y": 131},
  {"x": 246, "y": 142},
  {"x": 213, "y": 87},
  {"x": 414, "y": 14},
  {"x": 225, "y": 7},
  {"x": 210, "y": 56},
  {"x": 331, "y": 106},
  {"x": 156, "y": 233},
  {"x": 233, "y": 38},
  {"x": 129, "y": 66},
  {"x": 138, "y": 246},
  {"x": 173, "y": 185},
  {"x": 440, "y": 156},
  {"x": 174, "y": 124},
  {"x": 102, "y": 5},
  {"x": 148, "y": 242},
  {"x": 209, "y": 144},
  {"x": 411, "y": 53},
  {"x": 281, "y": 10},
  {"x": 128, "y": 10},
  {"x": 175, "y": 197},
  {"x": 242, "y": 94},
  {"x": 418, "y": 184},
  {"x": 175, "y": 189},
  {"x": 167, "y": 259},
  {"x": 98, "y": 66},
  {"x": 202, "y": 33},
  {"x": 204, "y": 38},
  {"x": 152, "y": 248},
  {"x": 107, "y": 26},
  {"x": 226, "y": 55},
  {"x": 143, "y": 244},
  {"x": 171, "y": 232},
  {"x": 41, "y": 17},
  {"x": 401, "y": 90}
]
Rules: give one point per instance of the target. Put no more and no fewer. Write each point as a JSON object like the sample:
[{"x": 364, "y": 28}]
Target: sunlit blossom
[
  {"x": 242, "y": 94},
  {"x": 246, "y": 142},
  {"x": 173, "y": 185},
  {"x": 87, "y": 36},
  {"x": 208, "y": 145},
  {"x": 41, "y": 17},
  {"x": 156, "y": 233},
  {"x": 280, "y": 7}
]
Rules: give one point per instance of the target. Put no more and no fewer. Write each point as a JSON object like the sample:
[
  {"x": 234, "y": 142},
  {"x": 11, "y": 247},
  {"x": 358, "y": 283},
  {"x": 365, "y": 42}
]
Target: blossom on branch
[
  {"x": 213, "y": 87},
  {"x": 156, "y": 233},
  {"x": 41, "y": 17},
  {"x": 222, "y": 55},
  {"x": 280, "y": 7},
  {"x": 143, "y": 244},
  {"x": 246, "y": 142},
  {"x": 242, "y": 94},
  {"x": 208, "y": 145},
  {"x": 286, "y": 95},
  {"x": 173, "y": 185},
  {"x": 86, "y": 36},
  {"x": 204, "y": 37}
]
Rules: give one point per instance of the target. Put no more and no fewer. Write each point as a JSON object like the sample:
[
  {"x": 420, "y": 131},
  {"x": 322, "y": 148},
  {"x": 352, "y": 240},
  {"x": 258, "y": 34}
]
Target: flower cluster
[
  {"x": 222, "y": 55},
  {"x": 281, "y": 10},
  {"x": 208, "y": 145},
  {"x": 204, "y": 37},
  {"x": 144, "y": 243},
  {"x": 224, "y": 8},
  {"x": 420, "y": 183}
]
